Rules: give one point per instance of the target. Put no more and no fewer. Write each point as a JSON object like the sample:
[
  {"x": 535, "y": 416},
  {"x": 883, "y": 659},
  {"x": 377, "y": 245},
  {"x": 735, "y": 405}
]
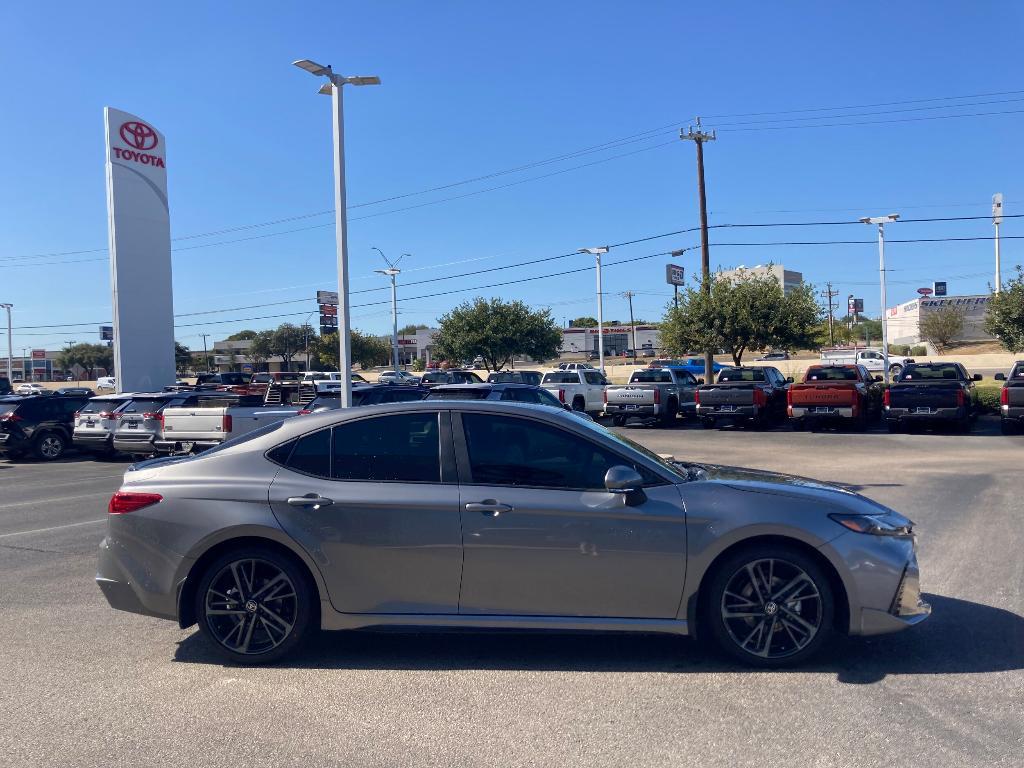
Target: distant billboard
[
  {"x": 674, "y": 274},
  {"x": 854, "y": 306},
  {"x": 939, "y": 288},
  {"x": 106, "y": 333},
  {"x": 327, "y": 297},
  {"x": 38, "y": 354},
  {"x": 925, "y": 291}
]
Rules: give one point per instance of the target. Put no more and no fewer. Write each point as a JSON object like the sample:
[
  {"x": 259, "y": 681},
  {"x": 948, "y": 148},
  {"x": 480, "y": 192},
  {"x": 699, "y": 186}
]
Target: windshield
[
  {"x": 741, "y": 374},
  {"x": 99, "y": 406},
  {"x": 434, "y": 377},
  {"x": 837, "y": 373},
  {"x": 467, "y": 393},
  {"x": 931, "y": 372}
]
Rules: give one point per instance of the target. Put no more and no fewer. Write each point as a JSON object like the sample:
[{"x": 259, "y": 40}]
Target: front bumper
[
  {"x": 931, "y": 414},
  {"x": 12, "y": 443}
]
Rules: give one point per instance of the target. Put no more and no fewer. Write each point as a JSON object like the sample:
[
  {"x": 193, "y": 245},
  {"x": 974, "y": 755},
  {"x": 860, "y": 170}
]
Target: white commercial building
[
  {"x": 903, "y": 322},
  {"x": 787, "y": 278}
]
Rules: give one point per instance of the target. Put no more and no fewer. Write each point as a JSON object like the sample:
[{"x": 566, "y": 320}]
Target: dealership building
[
  {"x": 787, "y": 278},
  {"x": 903, "y": 322}
]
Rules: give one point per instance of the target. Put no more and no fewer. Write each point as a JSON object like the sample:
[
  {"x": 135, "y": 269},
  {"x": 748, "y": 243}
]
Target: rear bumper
[
  {"x": 1012, "y": 412},
  {"x": 87, "y": 442},
  {"x": 630, "y": 409},
  {"x": 821, "y": 412},
  {"x": 737, "y": 412},
  {"x": 937, "y": 414},
  {"x": 133, "y": 444},
  {"x": 172, "y": 446},
  {"x": 135, "y": 586}
]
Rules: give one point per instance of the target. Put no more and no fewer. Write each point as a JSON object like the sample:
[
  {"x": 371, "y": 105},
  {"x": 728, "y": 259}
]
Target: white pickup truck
[
  {"x": 192, "y": 429},
  {"x": 872, "y": 359},
  {"x": 581, "y": 390}
]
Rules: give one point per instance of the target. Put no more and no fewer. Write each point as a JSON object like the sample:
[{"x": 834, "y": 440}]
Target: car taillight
[
  {"x": 154, "y": 417},
  {"x": 886, "y": 399},
  {"x": 760, "y": 399},
  {"x": 76, "y": 414},
  {"x": 657, "y": 396},
  {"x": 696, "y": 397},
  {"x": 561, "y": 395},
  {"x": 1004, "y": 397},
  {"x": 124, "y": 502},
  {"x": 604, "y": 396},
  {"x": 960, "y": 398},
  {"x": 789, "y": 397},
  {"x": 226, "y": 423},
  {"x": 105, "y": 415},
  {"x": 12, "y": 416}
]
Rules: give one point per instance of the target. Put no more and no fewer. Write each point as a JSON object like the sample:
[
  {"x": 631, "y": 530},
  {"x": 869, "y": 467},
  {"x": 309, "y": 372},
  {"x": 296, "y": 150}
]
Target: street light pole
[
  {"x": 997, "y": 219},
  {"x": 333, "y": 89},
  {"x": 881, "y": 221},
  {"x": 10, "y": 349},
  {"x": 393, "y": 272},
  {"x": 596, "y": 253}
]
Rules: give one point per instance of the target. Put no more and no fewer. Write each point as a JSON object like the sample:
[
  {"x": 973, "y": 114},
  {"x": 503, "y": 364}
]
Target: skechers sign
[
  {"x": 139, "y": 136},
  {"x": 138, "y": 223}
]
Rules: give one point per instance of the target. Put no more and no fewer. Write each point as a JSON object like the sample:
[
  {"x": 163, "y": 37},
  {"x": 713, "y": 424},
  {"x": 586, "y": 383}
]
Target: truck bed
[
  {"x": 925, "y": 396},
  {"x": 730, "y": 393}
]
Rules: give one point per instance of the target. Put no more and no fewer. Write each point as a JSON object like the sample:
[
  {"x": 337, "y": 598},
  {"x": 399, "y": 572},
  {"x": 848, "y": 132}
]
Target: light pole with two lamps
[
  {"x": 596, "y": 253},
  {"x": 392, "y": 271},
  {"x": 332, "y": 88}
]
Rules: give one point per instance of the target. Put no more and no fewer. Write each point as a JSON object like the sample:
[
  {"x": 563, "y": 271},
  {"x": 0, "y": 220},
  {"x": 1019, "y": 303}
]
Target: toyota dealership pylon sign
[{"x": 139, "y": 228}]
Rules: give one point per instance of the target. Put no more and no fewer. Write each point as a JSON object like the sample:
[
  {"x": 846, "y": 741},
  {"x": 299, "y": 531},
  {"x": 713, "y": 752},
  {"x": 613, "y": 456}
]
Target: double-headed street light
[
  {"x": 596, "y": 253},
  {"x": 881, "y": 221},
  {"x": 392, "y": 271},
  {"x": 332, "y": 88}
]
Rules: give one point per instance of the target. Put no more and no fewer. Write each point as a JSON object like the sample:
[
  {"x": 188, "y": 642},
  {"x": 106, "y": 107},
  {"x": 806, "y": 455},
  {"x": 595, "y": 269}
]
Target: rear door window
[
  {"x": 312, "y": 454},
  {"x": 400, "y": 448},
  {"x": 145, "y": 405}
]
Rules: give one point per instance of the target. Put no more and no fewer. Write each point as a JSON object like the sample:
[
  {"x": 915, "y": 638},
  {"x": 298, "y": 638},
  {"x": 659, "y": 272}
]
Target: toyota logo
[{"x": 138, "y": 135}]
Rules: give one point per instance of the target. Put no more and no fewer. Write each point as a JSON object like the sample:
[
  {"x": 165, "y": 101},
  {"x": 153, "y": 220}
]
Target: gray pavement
[{"x": 82, "y": 685}]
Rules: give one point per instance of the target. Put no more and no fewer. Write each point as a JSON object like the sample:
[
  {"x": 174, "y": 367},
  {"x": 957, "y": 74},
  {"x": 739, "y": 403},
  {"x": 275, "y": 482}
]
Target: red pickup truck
[{"x": 835, "y": 393}]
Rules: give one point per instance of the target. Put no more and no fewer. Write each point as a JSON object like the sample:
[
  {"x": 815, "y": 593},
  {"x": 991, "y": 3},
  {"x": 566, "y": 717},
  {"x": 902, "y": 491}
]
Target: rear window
[
  {"x": 325, "y": 402},
  {"x": 741, "y": 374},
  {"x": 832, "y": 374},
  {"x": 651, "y": 377},
  {"x": 561, "y": 377},
  {"x": 234, "y": 379},
  {"x": 98, "y": 406},
  {"x": 931, "y": 372},
  {"x": 476, "y": 393},
  {"x": 431, "y": 378},
  {"x": 146, "y": 405}
]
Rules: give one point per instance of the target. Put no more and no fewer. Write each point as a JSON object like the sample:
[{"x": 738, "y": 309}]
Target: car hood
[{"x": 779, "y": 484}]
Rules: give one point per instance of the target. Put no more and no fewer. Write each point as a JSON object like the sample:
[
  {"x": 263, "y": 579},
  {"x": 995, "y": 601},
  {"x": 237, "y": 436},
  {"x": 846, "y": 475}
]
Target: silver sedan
[{"x": 496, "y": 515}]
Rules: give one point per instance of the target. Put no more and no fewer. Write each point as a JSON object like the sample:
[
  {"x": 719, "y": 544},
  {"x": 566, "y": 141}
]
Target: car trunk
[
  {"x": 926, "y": 395},
  {"x": 727, "y": 394},
  {"x": 830, "y": 394}
]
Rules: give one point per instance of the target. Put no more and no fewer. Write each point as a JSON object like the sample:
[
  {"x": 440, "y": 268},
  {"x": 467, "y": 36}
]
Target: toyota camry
[{"x": 486, "y": 515}]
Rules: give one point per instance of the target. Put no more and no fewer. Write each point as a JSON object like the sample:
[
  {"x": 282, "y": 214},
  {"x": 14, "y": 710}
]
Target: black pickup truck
[
  {"x": 750, "y": 395},
  {"x": 1011, "y": 399},
  {"x": 930, "y": 393}
]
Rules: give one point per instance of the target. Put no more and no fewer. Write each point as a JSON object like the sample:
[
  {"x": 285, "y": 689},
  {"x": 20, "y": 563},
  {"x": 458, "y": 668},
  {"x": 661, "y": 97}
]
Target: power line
[{"x": 874, "y": 122}]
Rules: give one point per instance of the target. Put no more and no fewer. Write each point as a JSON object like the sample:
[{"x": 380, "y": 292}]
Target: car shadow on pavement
[{"x": 961, "y": 637}]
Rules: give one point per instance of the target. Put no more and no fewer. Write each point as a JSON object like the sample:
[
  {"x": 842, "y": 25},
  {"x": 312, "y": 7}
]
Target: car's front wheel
[
  {"x": 255, "y": 605},
  {"x": 770, "y": 606},
  {"x": 48, "y": 446}
]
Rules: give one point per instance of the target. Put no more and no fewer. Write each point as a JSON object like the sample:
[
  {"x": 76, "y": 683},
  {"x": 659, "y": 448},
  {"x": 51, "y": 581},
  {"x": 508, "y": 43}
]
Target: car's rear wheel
[
  {"x": 770, "y": 606},
  {"x": 254, "y": 604},
  {"x": 619, "y": 421},
  {"x": 1007, "y": 427},
  {"x": 579, "y": 404},
  {"x": 48, "y": 446}
]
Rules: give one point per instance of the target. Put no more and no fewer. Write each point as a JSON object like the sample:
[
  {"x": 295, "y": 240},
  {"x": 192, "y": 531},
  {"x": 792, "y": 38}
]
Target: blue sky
[{"x": 475, "y": 88}]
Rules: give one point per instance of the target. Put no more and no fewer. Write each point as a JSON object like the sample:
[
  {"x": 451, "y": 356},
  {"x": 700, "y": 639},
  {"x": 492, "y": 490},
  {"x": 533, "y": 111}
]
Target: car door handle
[
  {"x": 492, "y": 508},
  {"x": 313, "y": 500}
]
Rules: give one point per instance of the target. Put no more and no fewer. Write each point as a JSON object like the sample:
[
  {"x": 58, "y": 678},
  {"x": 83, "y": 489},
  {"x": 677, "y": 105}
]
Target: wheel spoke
[
  {"x": 224, "y": 612},
  {"x": 810, "y": 629},
  {"x": 766, "y": 646},
  {"x": 248, "y": 635},
  {"x": 753, "y": 582},
  {"x": 276, "y": 582},
  {"x": 744, "y": 600},
  {"x": 276, "y": 618},
  {"x": 238, "y": 582}
]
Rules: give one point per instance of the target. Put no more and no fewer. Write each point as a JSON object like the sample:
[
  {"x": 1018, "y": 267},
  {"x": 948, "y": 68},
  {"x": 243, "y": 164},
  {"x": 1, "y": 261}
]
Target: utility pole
[
  {"x": 698, "y": 137},
  {"x": 206, "y": 356},
  {"x": 392, "y": 271},
  {"x": 997, "y": 219},
  {"x": 829, "y": 294},
  {"x": 629, "y": 296},
  {"x": 10, "y": 351}
]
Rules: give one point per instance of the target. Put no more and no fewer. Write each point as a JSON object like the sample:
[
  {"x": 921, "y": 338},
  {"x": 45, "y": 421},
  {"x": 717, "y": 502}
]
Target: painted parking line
[{"x": 52, "y": 528}]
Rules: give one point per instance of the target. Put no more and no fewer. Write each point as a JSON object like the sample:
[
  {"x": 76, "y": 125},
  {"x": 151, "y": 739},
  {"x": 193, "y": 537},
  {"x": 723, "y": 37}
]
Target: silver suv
[{"x": 95, "y": 423}]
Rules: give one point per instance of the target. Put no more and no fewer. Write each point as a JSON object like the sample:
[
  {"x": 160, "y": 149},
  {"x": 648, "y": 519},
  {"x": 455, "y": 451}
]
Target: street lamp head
[
  {"x": 313, "y": 68},
  {"x": 594, "y": 251},
  {"x": 879, "y": 219},
  {"x": 325, "y": 89},
  {"x": 363, "y": 80},
  {"x": 390, "y": 271}
]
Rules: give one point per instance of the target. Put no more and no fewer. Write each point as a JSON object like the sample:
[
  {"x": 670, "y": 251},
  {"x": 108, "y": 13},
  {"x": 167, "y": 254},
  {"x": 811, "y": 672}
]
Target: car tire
[
  {"x": 892, "y": 425},
  {"x": 619, "y": 421},
  {"x": 579, "y": 404},
  {"x": 284, "y": 623},
  {"x": 762, "y": 629},
  {"x": 48, "y": 446},
  {"x": 707, "y": 422}
]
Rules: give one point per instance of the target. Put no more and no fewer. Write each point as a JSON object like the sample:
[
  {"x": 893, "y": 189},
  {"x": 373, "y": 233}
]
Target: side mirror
[
  {"x": 1000, "y": 377},
  {"x": 623, "y": 480},
  {"x": 977, "y": 377},
  {"x": 879, "y": 378},
  {"x": 789, "y": 379}
]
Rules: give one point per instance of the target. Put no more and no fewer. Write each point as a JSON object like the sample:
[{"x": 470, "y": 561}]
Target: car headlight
[{"x": 877, "y": 525}]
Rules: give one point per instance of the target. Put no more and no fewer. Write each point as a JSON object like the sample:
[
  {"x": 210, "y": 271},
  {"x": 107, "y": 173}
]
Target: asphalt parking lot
[{"x": 83, "y": 685}]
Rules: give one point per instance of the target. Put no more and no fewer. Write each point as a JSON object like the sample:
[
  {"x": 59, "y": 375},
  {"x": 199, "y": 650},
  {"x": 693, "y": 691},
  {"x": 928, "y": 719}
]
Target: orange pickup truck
[{"x": 835, "y": 394}]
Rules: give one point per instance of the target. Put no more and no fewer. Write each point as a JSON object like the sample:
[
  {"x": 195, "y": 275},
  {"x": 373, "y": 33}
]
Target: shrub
[
  {"x": 899, "y": 349},
  {"x": 986, "y": 399},
  {"x": 418, "y": 364},
  {"x": 918, "y": 351}
]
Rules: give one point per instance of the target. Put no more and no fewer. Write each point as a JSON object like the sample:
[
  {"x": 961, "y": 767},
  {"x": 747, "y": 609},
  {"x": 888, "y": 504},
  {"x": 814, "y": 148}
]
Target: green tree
[
  {"x": 246, "y": 335},
  {"x": 260, "y": 350},
  {"x": 182, "y": 357},
  {"x": 87, "y": 356},
  {"x": 1005, "y": 318},
  {"x": 584, "y": 322},
  {"x": 942, "y": 325},
  {"x": 867, "y": 329},
  {"x": 752, "y": 312},
  {"x": 496, "y": 330},
  {"x": 286, "y": 341},
  {"x": 410, "y": 330},
  {"x": 840, "y": 332},
  {"x": 367, "y": 350}
]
